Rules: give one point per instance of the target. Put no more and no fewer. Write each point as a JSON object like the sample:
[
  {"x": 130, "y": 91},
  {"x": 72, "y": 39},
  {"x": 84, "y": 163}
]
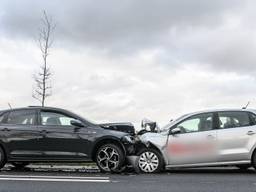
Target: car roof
[
  {"x": 221, "y": 110},
  {"x": 50, "y": 109},
  {"x": 181, "y": 118},
  {"x": 34, "y": 107}
]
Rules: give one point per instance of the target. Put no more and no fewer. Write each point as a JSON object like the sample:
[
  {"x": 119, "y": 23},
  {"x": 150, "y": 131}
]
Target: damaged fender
[{"x": 149, "y": 140}]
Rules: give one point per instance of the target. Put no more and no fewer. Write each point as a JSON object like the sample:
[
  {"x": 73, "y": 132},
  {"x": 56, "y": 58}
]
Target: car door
[
  {"x": 236, "y": 135},
  {"x": 20, "y": 134},
  {"x": 196, "y": 143},
  {"x": 61, "y": 139}
]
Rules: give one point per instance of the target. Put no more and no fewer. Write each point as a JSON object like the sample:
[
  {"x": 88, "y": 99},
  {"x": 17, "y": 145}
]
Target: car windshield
[{"x": 168, "y": 125}]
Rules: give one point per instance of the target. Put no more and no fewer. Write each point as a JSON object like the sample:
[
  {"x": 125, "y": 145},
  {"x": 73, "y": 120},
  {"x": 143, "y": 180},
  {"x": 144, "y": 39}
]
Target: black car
[{"x": 46, "y": 134}]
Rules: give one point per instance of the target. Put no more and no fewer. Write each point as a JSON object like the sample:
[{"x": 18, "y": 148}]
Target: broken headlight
[{"x": 128, "y": 139}]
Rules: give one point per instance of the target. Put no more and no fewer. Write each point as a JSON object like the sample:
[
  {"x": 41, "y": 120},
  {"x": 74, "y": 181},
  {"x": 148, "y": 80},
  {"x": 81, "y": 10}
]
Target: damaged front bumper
[
  {"x": 133, "y": 162},
  {"x": 133, "y": 145},
  {"x": 136, "y": 144}
]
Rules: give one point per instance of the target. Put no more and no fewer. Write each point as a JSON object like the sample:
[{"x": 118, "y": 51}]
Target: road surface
[{"x": 191, "y": 180}]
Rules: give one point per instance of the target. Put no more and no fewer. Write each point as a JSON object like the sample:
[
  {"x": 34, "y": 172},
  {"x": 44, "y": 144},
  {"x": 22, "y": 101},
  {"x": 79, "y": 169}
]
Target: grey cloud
[
  {"x": 185, "y": 31},
  {"x": 227, "y": 47},
  {"x": 163, "y": 57},
  {"x": 113, "y": 24}
]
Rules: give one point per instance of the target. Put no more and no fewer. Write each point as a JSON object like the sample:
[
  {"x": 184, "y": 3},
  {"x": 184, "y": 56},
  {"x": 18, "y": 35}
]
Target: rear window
[
  {"x": 22, "y": 117},
  {"x": 232, "y": 119}
]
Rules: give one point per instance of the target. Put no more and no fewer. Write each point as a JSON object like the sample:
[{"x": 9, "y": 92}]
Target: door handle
[{"x": 250, "y": 133}]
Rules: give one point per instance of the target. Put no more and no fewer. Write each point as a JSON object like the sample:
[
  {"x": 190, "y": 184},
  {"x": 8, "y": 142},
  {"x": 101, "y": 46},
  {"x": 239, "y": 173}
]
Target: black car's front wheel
[
  {"x": 110, "y": 158},
  {"x": 2, "y": 158}
]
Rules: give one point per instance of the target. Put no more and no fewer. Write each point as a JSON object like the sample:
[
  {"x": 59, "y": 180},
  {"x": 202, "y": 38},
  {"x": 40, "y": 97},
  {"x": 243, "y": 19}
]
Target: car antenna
[
  {"x": 248, "y": 103},
  {"x": 9, "y": 105}
]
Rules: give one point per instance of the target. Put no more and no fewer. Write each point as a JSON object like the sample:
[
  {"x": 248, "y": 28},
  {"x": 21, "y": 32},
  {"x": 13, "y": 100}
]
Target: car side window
[
  {"x": 55, "y": 119},
  {"x": 196, "y": 123},
  {"x": 22, "y": 117},
  {"x": 253, "y": 118},
  {"x": 231, "y": 119},
  {"x": 1, "y": 117}
]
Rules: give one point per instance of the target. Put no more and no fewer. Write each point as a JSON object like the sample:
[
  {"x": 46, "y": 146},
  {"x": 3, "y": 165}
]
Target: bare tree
[{"x": 42, "y": 78}]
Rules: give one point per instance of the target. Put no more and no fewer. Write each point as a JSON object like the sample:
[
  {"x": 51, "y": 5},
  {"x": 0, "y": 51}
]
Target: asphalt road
[{"x": 207, "y": 179}]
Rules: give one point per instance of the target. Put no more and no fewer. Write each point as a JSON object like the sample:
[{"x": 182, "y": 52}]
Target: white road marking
[{"x": 53, "y": 178}]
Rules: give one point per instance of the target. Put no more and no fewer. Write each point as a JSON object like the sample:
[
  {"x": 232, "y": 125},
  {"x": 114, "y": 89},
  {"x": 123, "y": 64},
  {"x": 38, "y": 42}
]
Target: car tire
[
  {"x": 19, "y": 165},
  {"x": 150, "y": 161},
  {"x": 2, "y": 158},
  {"x": 254, "y": 159},
  {"x": 243, "y": 167},
  {"x": 110, "y": 158}
]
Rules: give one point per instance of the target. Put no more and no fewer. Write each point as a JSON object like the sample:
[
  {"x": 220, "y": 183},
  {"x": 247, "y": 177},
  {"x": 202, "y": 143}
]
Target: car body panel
[
  {"x": 235, "y": 143},
  {"x": 53, "y": 143},
  {"x": 227, "y": 146},
  {"x": 210, "y": 164},
  {"x": 21, "y": 141},
  {"x": 65, "y": 142},
  {"x": 124, "y": 127},
  {"x": 198, "y": 147},
  {"x": 158, "y": 140}
]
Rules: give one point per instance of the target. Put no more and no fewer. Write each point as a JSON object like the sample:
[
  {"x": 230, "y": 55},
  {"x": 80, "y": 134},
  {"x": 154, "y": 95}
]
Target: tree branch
[{"x": 45, "y": 41}]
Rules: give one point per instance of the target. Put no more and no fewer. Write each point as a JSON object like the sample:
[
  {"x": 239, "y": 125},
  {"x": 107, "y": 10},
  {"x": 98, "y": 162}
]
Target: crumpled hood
[
  {"x": 157, "y": 139},
  {"x": 122, "y": 127}
]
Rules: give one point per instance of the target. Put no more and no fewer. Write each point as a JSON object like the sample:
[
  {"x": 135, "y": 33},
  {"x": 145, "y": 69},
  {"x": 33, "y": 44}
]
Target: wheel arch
[
  {"x": 151, "y": 145},
  {"x": 253, "y": 151},
  {"x": 106, "y": 140}
]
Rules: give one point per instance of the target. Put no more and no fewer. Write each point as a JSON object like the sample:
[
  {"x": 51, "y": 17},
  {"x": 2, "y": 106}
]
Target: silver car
[{"x": 205, "y": 138}]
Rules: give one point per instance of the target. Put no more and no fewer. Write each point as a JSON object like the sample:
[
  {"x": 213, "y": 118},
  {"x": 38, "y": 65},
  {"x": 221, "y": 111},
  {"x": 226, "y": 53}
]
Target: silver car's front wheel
[
  {"x": 150, "y": 161},
  {"x": 109, "y": 158}
]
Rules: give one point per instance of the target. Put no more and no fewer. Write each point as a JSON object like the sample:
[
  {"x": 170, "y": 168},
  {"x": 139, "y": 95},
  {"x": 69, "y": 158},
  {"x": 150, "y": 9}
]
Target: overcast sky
[{"x": 122, "y": 60}]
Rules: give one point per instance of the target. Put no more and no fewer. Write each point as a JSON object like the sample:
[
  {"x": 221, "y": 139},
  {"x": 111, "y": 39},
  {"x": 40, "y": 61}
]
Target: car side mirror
[
  {"x": 175, "y": 131},
  {"x": 76, "y": 123}
]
